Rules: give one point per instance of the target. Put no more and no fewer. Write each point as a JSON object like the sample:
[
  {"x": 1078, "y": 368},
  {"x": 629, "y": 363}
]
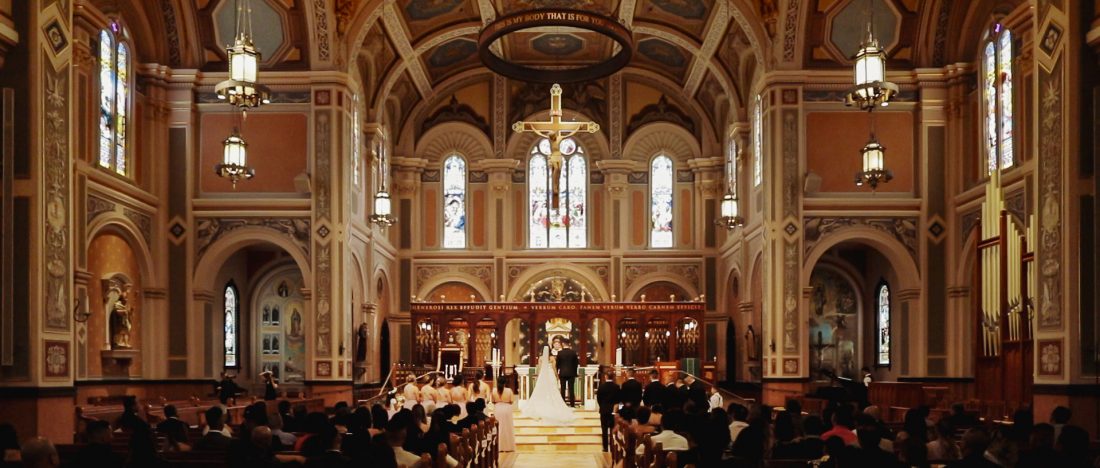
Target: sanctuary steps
[{"x": 583, "y": 436}]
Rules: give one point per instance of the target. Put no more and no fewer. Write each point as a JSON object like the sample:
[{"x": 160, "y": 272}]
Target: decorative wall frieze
[
  {"x": 143, "y": 221},
  {"x": 903, "y": 229},
  {"x": 426, "y": 273},
  {"x": 690, "y": 272},
  {"x": 209, "y": 230},
  {"x": 95, "y": 206},
  {"x": 1051, "y": 157},
  {"x": 57, "y": 156}
]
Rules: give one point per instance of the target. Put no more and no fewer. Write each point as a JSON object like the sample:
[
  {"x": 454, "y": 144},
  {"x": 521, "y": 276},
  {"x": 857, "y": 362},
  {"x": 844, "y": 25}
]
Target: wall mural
[
  {"x": 833, "y": 323},
  {"x": 281, "y": 333},
  {"x": 557, "y": 45}
]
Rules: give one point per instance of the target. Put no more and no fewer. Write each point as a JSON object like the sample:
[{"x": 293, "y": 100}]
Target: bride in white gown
[{"x": 546, "y": 403}]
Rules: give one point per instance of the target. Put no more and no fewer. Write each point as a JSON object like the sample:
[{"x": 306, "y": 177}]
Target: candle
[{"x": 619, "y": 356}]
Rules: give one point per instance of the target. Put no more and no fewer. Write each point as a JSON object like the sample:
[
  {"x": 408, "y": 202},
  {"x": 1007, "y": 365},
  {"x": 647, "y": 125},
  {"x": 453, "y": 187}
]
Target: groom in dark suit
[{"x": 567, "y": 372}]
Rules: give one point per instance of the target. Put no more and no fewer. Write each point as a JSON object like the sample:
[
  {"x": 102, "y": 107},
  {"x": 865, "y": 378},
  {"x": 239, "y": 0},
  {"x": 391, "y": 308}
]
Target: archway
[
  {"x": 279, "y": 323},
  {"x": 845, "y": 276}
]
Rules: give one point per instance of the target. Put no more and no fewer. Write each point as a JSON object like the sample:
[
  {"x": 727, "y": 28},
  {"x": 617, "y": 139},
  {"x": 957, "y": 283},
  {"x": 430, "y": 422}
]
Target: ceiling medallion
[{"x": 565, "y": 18}]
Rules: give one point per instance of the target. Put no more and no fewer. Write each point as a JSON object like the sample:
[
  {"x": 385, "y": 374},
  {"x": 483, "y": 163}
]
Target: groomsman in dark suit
[
  {"x": 654, "y": 391},
  {"x": 607, "y": 395},
  {"x": 631, "y": 393},
  {"x": 567, "y": 372}
]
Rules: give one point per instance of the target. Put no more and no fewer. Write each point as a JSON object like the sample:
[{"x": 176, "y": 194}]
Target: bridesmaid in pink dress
[{"x": 503, "y": 399}]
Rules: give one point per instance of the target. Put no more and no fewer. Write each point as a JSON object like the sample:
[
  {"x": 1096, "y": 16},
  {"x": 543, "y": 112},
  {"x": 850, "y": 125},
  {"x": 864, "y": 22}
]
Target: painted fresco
[
  {"x": 428, "y": 9},
  {"x": 281, "y": 334},
  {"x": 833, "y": 325},
  {"x": 557, "y": 45}
]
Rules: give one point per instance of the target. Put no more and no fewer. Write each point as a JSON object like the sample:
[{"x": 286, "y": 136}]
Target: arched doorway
[{"x": 278, "y": 316}]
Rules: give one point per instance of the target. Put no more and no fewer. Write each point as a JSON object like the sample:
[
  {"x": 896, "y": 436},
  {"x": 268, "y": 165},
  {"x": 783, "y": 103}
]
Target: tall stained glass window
[
  {"x": 882, "y": 306},
  {"x": 731, "y": 163},
  {"x": 565, "y": 225},
  {"x": 356, "y": 148},
  {"x": 757, "y": 143},
  {"x": 232, "y": 313},
  {"x": 454, "y": 202},
  {"x": 114, "y": 97},
  {"x": 997, "y": 97},
  {"x": 660, "y": 202}
]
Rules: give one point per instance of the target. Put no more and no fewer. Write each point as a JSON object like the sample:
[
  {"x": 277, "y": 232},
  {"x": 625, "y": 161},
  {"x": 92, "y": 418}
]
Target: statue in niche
[
  {"x": 751, "y": 344},
  {"x": 361, "y": 343},
  {"x": 119, "y": 314}
]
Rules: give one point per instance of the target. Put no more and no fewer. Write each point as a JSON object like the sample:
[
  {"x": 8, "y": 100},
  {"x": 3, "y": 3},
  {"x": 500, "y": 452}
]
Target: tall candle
[{"x": 619, "y": 356}]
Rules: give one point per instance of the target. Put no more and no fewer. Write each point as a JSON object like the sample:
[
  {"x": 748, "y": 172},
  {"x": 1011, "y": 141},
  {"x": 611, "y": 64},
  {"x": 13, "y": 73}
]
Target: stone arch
[
  {"x": 900, "y": 260},
  {"x": 123, "y": 226},
  {"x": 734, "y": 289},
  {"x": 453, "y": 137},
  {"x": 585, "y": 275},
  {"x": 475, "y": 283},
  {"x": 649, "y": 279},
  {"x": 206, "y": 268},
  {"x": 755, "y": 275},
  {"x": 460, "y": 292},
  {"x": 661, "y": 138}
]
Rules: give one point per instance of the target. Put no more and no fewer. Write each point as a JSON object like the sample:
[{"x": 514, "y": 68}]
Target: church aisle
[
  {"x": 581, "y": 437},
  {"x": 539, "y": 460}
]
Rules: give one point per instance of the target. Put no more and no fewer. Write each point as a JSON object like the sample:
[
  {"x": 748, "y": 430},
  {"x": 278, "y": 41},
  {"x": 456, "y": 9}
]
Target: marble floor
[{"x": 540, "y": 460}]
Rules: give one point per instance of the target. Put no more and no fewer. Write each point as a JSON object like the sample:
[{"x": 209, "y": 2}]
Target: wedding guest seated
[
  {"x": 215, "y": 436},
  {"x": 1040, "y": 450},
  {"x": 286, "y": 440},
  {"x": 739, "y": 420},
  {"x": 943, "y": 446},
  {"x": 960, "y": 418},
  {"x": 870, "y": 454},
  {"x": 98, "y": 453},
  {"x": 129, "y": 418},
  {"x": 669, "y": 438},
  {"x": 842, "y": 426},
  {"x": 172, "y": 427},
  {"x": 751, "y": 441},
  {"x": 785, "y": 446},
  {"x": 974, "y": 443},
  {"x": 39, "y": 452},
  {"x": 395, "y": 438},
  {"x": 1073, "y": 446},
  {"x": 331, "y": 457},
  {"x": 641, "y": 422},
  {"x": 810, "y": 445},
  {"x": 143, "y": 448}
]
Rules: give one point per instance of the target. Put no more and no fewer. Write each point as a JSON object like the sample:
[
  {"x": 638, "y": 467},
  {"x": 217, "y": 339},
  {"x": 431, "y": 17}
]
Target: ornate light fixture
[
  {"x": 871, "y": 88},
  {"x": 730, "y": 207},
  {"x": 874, "y": 165},
  {"x": 383, "y": 208},
  {"x": 233, "y": 165},
  {"x": 242, "y": 88}
]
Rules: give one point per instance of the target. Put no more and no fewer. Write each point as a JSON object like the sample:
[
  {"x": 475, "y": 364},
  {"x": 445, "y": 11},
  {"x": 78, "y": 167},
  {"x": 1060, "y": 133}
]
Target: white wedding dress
[{"x": 546, "y": 403}]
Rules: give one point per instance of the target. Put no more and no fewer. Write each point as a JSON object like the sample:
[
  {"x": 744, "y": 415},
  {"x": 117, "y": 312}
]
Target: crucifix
[{"x": 555, "y": 130}]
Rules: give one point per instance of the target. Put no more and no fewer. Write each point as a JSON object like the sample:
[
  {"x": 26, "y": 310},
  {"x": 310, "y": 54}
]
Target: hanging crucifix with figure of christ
[{"x": 556, "y": 131}]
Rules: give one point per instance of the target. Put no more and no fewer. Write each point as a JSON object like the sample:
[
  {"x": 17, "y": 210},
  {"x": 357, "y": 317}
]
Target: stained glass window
[
  {"x": 757, "y": 143},
  {"x": 660, "y": 202},
  {"x": 997, "y": 97},
  {"x": 731, "y": 163},
  {"x": 232, "y": 313},
  {"x": 114, "y": 98},
  {"x": 356, "y": 148},
  {"x": 454, "y": 202},
  {"x": 564, "y": 225},
  {"x": 883, "y": 321}
]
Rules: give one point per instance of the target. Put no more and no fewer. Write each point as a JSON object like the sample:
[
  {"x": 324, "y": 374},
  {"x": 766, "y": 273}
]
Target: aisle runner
[{"x": 583, "y": 436}]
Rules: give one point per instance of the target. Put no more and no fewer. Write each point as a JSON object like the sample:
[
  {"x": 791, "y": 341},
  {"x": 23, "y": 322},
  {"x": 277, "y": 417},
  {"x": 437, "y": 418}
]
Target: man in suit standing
[
  {"x": 631, "y": 391},
  {"x": 654, "y": 391},
  {"x": 567, "y": 372},
  {"x": 607, "y": 395}
]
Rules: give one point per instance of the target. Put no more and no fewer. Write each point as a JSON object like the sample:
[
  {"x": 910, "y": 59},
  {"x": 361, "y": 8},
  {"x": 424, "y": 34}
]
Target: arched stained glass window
[
  {"x": 356, "y": 148},
  {"x": 232, "y": 314},
  {"x": 565, "y": 225},
  {"x": 454, "y": 202},
  {"x": 661, "y": 179},
  {"x": 997, "y": 97},
  {"x": 757, "y": 143},
  {"x": 882, "y": 319},
  {"x": 114, "y": 98}
]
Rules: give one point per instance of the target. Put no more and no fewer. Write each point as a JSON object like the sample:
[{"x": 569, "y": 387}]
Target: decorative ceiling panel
[
  {"x": 662, "y": 56},
  {"x": 425, "y": 16},
  {"x": 451, "y": 57},
  {"x": 376, "y": 57},
  {"x": 689, "y": 16},
  {"x": 601, "y": 6}
]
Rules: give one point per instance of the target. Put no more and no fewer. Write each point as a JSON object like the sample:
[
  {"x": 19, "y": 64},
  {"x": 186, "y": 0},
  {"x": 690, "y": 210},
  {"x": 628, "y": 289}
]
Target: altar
[{"x": 602, "y": 333}]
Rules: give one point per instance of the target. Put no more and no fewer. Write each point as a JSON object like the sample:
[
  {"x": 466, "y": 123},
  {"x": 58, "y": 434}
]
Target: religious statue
[
  {"x": 556, "y": 131},
  {"x": 119, "y": 314},
  {"x": 361, "y": 343}
]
